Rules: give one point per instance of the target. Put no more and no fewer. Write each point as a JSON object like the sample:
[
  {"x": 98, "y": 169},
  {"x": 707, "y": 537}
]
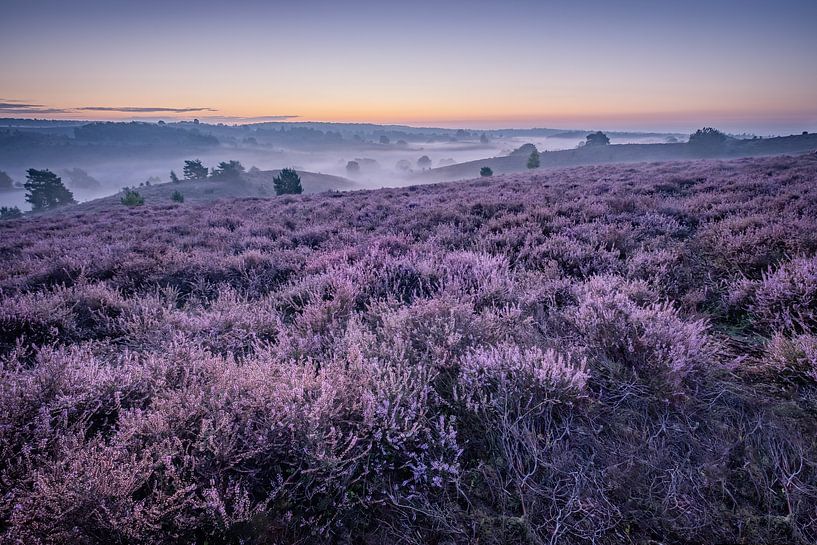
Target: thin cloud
[
  {"x": 11, "y": 106},
  {"x": 142, "y": 109},
  {"x": 256, "y": 119}
]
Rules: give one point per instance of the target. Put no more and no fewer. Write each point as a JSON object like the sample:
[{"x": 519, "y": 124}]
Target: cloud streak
[
  {"x": 142, "y": 109},
  {"x": 9, "y": 106}
]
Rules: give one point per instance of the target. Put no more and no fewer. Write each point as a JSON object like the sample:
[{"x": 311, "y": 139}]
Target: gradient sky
[{"x": 636, "y": 64}]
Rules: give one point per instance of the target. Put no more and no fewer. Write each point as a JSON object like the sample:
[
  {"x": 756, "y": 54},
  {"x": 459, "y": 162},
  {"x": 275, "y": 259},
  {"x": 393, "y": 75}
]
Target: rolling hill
[
  {"x": 624, "y": 153},
  {"x": 600, "y": 354}
]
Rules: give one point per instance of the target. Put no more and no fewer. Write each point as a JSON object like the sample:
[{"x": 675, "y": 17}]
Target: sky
[{"x": 743, "y": 65}]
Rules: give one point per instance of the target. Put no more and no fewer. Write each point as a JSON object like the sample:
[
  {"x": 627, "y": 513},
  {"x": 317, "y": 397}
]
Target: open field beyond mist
[{"x": 601, "y": 354}]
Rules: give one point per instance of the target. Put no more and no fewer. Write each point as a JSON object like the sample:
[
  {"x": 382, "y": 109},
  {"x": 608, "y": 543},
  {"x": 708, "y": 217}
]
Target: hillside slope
[
  {"x": 605, "y": 354},
  {"x": 624, "y": 153},
  {"x": 251, "y": 184}
]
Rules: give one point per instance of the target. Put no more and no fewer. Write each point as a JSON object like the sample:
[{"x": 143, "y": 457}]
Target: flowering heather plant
[{"x": 604, "y": 354}]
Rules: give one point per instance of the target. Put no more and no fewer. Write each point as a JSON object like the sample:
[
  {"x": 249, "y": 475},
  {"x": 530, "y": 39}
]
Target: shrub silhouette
[
  {"x": 287, "y": 182},
  {"x": 177, "y": 197},
  {"x": 707, "y": 138},
  {"x": 228, "y": 170},
  {"x": 486, "y": 171},
  {"x": 132, "y": 198},
  {"x": 10, "y": 213},
  {"x": 597, "y": 138},
  {"x": 533, "y": 160}
]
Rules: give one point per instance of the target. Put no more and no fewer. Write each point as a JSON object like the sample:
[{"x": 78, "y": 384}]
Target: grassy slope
[
  {"x": 259, "y": 184},
  {"x": 622, "y": 153}
]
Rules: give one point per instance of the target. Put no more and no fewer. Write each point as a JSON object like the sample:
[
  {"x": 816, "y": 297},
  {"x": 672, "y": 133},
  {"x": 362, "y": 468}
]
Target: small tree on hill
[
  {"x": 228, "y": 170},
  {"x": 352, "y": 168},
  {"x": 45, "y": 190},
  {"x": 287, "y": 182},
  {"x": 132, "y": 198},
  {"x": 485, "y": 172},
  {"x": 173, "y": 177},
  {"x": 597, "y": 138},
  {"x": 424, "y": 162},
  {"x": 533, "y": 160},
  {"x": 707, "y": 138},
  {"x": 194, "y": 170},
  {"x": 5, "y": 181}
]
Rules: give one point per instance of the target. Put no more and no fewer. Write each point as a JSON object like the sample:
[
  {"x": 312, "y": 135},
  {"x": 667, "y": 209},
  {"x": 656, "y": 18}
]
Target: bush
[
  {"x": 707, "y": 138},
  {"x": 10, "y": 213},
  {"x": 287, "y": 182},
  {"x": 486, "y": 171},
  {"x": 597, "y": 138},
  {"x": 132, "y": 197},
  {"x": 177, "y": 197}
]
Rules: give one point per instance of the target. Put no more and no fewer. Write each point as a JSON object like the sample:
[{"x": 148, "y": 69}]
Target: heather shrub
[
  {"x": 651, "y": 342},
  {"x": 494, "y": 379},
  {"x": 605, "y": 354},
  {"x": 794, "y": 358},
  {"x": 786, "y": 299}
]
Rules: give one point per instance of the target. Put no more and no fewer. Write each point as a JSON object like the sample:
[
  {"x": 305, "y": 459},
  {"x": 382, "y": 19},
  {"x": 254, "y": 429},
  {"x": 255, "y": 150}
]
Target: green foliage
[
  {"x": 10, "y": 213},
  {"x": 486, "y": 171},
  {"x": 173, "y": 177},
  {"x": 597, "y": 138},
  {"x": 45, "y": 190},
  {"x": 287, "y": 182},
  {"x": 132, "y": 198},
  {"x": 194, "y": 170},
  {"x": 177, "y": 196},
  {"x": 533, "y": 160},
  {"x": 228, "y": 170},
  {"x": 5, "y": 181}
]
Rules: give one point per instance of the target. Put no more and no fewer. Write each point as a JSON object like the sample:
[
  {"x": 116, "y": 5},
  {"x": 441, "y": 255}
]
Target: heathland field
[{"x": 603, "y": 354}]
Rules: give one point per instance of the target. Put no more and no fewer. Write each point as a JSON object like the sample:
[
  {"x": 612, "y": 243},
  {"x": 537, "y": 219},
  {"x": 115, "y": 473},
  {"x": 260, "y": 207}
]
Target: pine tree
[
  {"x": 45, "y": 190},
  {"x": 533, "y": 160},
  {"x": 194, "y": 170},
  {"x": 287, "y": 182}
]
